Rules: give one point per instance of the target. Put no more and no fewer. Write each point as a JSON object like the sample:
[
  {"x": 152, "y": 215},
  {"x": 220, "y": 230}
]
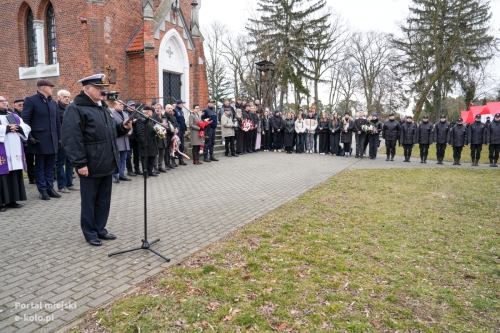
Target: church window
[
  {"x": 31, "y": 34},
  {"x": 50, "y": 22}
]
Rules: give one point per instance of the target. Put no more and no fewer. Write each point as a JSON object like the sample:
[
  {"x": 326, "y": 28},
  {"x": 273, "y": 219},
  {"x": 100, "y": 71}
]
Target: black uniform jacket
[
  {"x": 89, "y": 135},
  {"x": 391, "y": 130},
  {"x": 425, "y": 133}
]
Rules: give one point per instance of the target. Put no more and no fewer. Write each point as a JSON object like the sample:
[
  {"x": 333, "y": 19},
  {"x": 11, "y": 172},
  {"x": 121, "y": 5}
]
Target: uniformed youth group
[{"x": 101, "y": 142}]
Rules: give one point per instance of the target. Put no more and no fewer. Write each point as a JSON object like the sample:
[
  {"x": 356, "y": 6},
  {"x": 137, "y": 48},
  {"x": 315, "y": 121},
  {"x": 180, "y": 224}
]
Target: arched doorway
[{"x": 173, "y": 69}]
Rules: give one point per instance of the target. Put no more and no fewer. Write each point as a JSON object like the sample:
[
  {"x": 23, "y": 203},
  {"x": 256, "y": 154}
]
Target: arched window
[
  {"x": 50, "y": 21},
  {"x": 31, "y": 34}
]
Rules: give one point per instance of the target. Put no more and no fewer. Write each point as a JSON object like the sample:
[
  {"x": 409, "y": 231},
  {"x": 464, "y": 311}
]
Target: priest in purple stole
[{"x": 12, "y": 163}]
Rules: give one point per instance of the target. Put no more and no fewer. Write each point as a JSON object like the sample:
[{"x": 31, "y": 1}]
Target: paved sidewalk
[{"x": 45, "y": 259}]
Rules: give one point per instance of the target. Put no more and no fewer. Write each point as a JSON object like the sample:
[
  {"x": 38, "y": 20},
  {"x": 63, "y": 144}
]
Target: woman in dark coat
[
  {"x": 238, "y": 133},
  {"x": 146, "y": 135},
  {"x": 289, "y": 132},
  {"x": 324, "y": 134},
  {"x": 334, "y": 130},
  {"x": 266, "y": 130},
  {"x": 347, "y": 126}
]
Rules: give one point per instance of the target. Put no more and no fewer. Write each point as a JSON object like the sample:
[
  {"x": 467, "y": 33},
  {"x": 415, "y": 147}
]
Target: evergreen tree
[
  {"x": 443, "y": 40},
  {"x": 280, "y": 34}
]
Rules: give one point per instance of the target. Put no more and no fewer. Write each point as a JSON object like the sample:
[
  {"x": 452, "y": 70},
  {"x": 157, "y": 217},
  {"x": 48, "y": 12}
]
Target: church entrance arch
[{"x": 173, "y": 68}]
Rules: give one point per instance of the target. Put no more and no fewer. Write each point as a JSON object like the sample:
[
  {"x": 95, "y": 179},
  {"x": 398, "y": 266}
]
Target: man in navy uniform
[
  {"x": 40, "y": 113},
  {"x": 209, "y": 132},
  {"x": 89, "y": 137}
]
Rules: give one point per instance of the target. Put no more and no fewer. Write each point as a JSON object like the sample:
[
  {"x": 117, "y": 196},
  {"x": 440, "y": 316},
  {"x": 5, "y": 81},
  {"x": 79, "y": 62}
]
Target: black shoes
[
  {"x": 52, "y": 193},
  {"x": 131, "y": 174},
  {"x": 95, "y": 242},
  {"x": 235, "y": 155},
  {"x": 181, "y": 162},
  {"x": 116, "y": 181},
  {"x": 213, "y": 159},
  {"x": 13, "y": 205},
  {"x": 162, "y": 170},
  {"x": 2, "y": 209},
  {"x": 152, "y": 174},
  {"x": 107, "y": 236},
  {"x": 44, "y": 195},
  {"x": 138, "y": 172},
  {"x": 32, "y": 182},
  {"x": 207, "y": 160},
  {"x": 125, "y": 179}
]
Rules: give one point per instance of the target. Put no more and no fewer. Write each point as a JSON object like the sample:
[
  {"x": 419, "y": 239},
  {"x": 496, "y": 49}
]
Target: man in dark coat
[
  {"x": 40, "y": 113},
  {"x": 424, "y": 138},
  {"x": 89, "y": 137},
  {"x": 390, "y": 133},
  {"x": 440, "y": 137},
  {"x": 458, "y": 140},
  {"x": 359, "y": 134},
  {"x": 409, "y": 136},
  {"x": 209, "y": 112},
  {"x": 493, "y": 139},
  {"x": 179, "y": 115},
  {"x": 277, "y": 124},
  {"x": 476, "y": 137},
  {"x": 122, "y": 142},
  {"x": 64, "y": 169},
  {"x": 148, "y": 147}
]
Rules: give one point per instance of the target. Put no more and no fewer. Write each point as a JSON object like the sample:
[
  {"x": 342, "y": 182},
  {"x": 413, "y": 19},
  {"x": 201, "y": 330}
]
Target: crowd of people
[{"x": 53, "y": 139}]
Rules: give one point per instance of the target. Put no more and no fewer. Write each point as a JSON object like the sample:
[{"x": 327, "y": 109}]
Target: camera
[{"x": 111, "y": 95}]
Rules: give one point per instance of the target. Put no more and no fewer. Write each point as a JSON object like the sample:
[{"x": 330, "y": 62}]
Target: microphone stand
[{"x": 145, "y": 244}]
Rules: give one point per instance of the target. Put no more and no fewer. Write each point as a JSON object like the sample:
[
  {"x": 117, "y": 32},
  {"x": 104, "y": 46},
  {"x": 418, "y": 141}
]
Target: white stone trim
[
  {"x": 39, "y": 71},
  {"x": 40, "y": 41},
  {"x": 182, "y": 66}
]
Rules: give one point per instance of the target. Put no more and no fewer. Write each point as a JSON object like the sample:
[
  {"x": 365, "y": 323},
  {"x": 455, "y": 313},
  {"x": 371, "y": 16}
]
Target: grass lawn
[
  {"x": 367, "y": 251},
  {"x": 448, "y": 157}
]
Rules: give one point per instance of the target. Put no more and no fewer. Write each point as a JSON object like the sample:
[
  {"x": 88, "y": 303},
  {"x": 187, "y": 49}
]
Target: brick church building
[{"x": 148, "y": 49}]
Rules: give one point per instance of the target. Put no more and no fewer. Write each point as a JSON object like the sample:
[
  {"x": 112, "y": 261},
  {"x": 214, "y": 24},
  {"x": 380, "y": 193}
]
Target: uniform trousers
[
  {"x": 209, "y": 142},
  {"x": 390, "y": 147},
  {"x": 494, "y": 151},
  {"x": 374, "y": 141},
  {"x": 440, "y": 150},
  {"x": 407, "y": 150},
  {"x": 424, "y": 150},
  {"x": 44, "y": 171},
  {"x": 95, "y": 193},
  {"x": 475, "y": 151},
  {"x": 457, "y": 152}
]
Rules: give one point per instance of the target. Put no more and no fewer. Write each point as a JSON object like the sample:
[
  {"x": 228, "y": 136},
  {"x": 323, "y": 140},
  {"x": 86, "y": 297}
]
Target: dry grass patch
[{"x": 368, "y": 251}]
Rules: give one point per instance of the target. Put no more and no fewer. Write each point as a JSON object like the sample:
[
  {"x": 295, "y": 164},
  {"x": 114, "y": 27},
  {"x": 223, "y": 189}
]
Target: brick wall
[{"x": 91, "y": 37}]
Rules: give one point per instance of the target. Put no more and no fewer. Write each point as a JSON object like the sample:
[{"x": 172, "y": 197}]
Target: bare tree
[
  {"x": 372, "y": 53},
  {"x": 218, "y": 84}
]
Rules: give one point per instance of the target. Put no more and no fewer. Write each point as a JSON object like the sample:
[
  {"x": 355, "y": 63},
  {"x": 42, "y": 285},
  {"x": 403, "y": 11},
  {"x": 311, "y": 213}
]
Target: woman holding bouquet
[
  {"x": 324, "y": 134},
  {"x": 334, "y": 130},
  {"x": 346, "y": 133},
  {"x": 373, "y": 133},
  {"x": 196, "y": 140}
]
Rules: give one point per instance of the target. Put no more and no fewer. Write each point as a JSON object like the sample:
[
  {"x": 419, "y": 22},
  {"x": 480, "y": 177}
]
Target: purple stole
[{"x": 4, "y": 165}]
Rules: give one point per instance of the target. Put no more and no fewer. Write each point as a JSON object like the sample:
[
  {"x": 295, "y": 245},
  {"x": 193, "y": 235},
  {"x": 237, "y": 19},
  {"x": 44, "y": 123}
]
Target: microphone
[{"x": 113, "y": 95}]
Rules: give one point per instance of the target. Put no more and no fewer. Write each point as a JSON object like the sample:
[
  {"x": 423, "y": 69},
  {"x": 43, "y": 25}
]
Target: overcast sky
[{"x": 379, "y": 15}]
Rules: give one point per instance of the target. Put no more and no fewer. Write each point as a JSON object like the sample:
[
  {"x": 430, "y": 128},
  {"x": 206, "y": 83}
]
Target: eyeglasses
[{"x": 3, "y": 101}]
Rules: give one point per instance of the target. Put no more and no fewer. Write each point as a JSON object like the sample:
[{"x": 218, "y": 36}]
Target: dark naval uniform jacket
[{"x": 89, "y": 136}]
